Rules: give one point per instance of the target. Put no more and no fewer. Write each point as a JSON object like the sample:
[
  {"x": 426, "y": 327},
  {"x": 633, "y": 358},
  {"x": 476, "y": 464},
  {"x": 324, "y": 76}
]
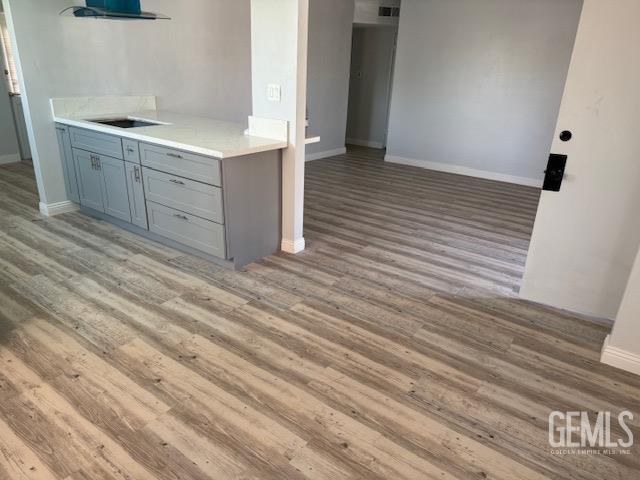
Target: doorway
[
  {"x": 373, "y": 51},
  {"x": 15, "y": 144}
]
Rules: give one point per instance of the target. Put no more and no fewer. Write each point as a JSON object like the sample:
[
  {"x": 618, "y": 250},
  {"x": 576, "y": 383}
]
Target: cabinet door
[
  {"x": 115, "y": 195},
  {"x": 137, "y": 204},
  {"x": 90, "y": 184},
  {"x": 68, "y": 167}
]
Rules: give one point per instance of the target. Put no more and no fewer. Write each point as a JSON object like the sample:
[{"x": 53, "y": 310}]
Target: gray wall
[
  {"x": 197, "y": 63},
  {"x": 371, "y": 68},
  {"x": 478, "y": 82},
  {"x": 330, "y": 26},
  {"x": 9, "y": 149}
]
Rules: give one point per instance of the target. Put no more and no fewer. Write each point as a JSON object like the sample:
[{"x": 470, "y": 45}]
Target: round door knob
[{"x": 566, "y": 135}]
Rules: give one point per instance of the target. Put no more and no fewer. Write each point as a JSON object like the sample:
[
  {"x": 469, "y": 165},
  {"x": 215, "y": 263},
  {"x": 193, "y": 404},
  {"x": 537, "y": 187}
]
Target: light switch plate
[{"x": 274, "y": 93}]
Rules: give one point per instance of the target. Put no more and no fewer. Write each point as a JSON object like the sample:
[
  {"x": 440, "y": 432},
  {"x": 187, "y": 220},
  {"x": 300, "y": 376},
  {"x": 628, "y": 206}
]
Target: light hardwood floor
[{"x": 393, "y": 348}]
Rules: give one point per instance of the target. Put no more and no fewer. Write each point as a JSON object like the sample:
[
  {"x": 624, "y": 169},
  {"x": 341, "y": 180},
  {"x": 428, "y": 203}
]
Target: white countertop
[{"x": 201, "y": 135}]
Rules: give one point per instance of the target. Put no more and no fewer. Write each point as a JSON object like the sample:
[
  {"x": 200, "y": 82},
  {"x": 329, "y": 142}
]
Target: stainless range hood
[{"x": 112, "y": 10}]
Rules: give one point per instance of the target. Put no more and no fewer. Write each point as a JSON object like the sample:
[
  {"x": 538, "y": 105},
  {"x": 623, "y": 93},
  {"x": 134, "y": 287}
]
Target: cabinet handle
[
  {"x": 177, "y": 182},
  {"x": 181, "y": 217},
  {"x": 93, "y": 162},
  {"x": 174, "y": 155},
  {"x": 136, "y": 173},
  {"x": 130, "y": 150},
  {"x": 99, "y": 163}
]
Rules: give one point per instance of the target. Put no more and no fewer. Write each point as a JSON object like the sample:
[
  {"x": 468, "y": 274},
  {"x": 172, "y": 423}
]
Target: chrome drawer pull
[
  {"x": 181, "y": 217},
  {"x": 130, "y": 150},
  {"x": 174, "y": 155},
  {"x": 177, "y": 182}
]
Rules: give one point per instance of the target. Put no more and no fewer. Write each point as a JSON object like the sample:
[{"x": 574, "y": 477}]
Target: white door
[{"x": 586, "y": 236}]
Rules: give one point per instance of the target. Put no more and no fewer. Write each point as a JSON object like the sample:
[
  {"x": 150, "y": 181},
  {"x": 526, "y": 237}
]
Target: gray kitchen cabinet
[
  {"x": 68, "y": 168},
  {"x": 137, "y": 203},
  {"x": 114, "y": 193},
  {"x": 90, "y": 183},
  {"x": 224, "y": 210}
]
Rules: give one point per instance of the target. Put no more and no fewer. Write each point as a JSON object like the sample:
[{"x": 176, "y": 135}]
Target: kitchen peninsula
[{"x": 200, "y": 185}]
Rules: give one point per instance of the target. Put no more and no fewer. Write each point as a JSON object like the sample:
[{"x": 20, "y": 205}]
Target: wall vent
[{"x": 389, "y": 11}]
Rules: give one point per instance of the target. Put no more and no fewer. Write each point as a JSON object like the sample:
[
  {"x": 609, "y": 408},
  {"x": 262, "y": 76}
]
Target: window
[{"x": 9, "y": 60}]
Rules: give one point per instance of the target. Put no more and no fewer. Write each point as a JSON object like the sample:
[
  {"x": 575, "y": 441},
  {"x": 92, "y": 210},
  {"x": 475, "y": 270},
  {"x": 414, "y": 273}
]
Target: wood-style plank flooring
[{"x": 393, "y": 348}]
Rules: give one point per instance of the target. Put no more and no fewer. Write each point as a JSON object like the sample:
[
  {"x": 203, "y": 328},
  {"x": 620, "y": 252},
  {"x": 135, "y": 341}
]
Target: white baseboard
[
  {"x": 326, "y": 154},
  {"x": 291, "y": 246},
  {"x": 53, "y": 209},
  {"x": 365, "y": 143},
  {"x": 11, "y": 158},
  {"x": 620, "y": 358},
  {"x": 460, "y": 170}
]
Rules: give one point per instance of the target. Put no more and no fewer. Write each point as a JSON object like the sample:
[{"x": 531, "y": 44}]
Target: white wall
[
  {"x": 197, "y": 63},
  {"x": 371, "y": 71},
  {"x": 279, "y": 46},
  {"x": 478, "y": 84},
  {"x": 586, "y": 236},
  {"x": 330, "y": 27},
  {"x": 9, "y": 149}
]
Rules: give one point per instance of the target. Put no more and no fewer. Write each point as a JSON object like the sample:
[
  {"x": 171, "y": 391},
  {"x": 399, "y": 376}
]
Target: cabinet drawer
[
  {"x": 194, "y": 232},
  {"x": 96, "y": 142},
  {"x": 131, "y": 150},
  {"x": 183, "y": 164},
  {"x": 185, "y": 195}
]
